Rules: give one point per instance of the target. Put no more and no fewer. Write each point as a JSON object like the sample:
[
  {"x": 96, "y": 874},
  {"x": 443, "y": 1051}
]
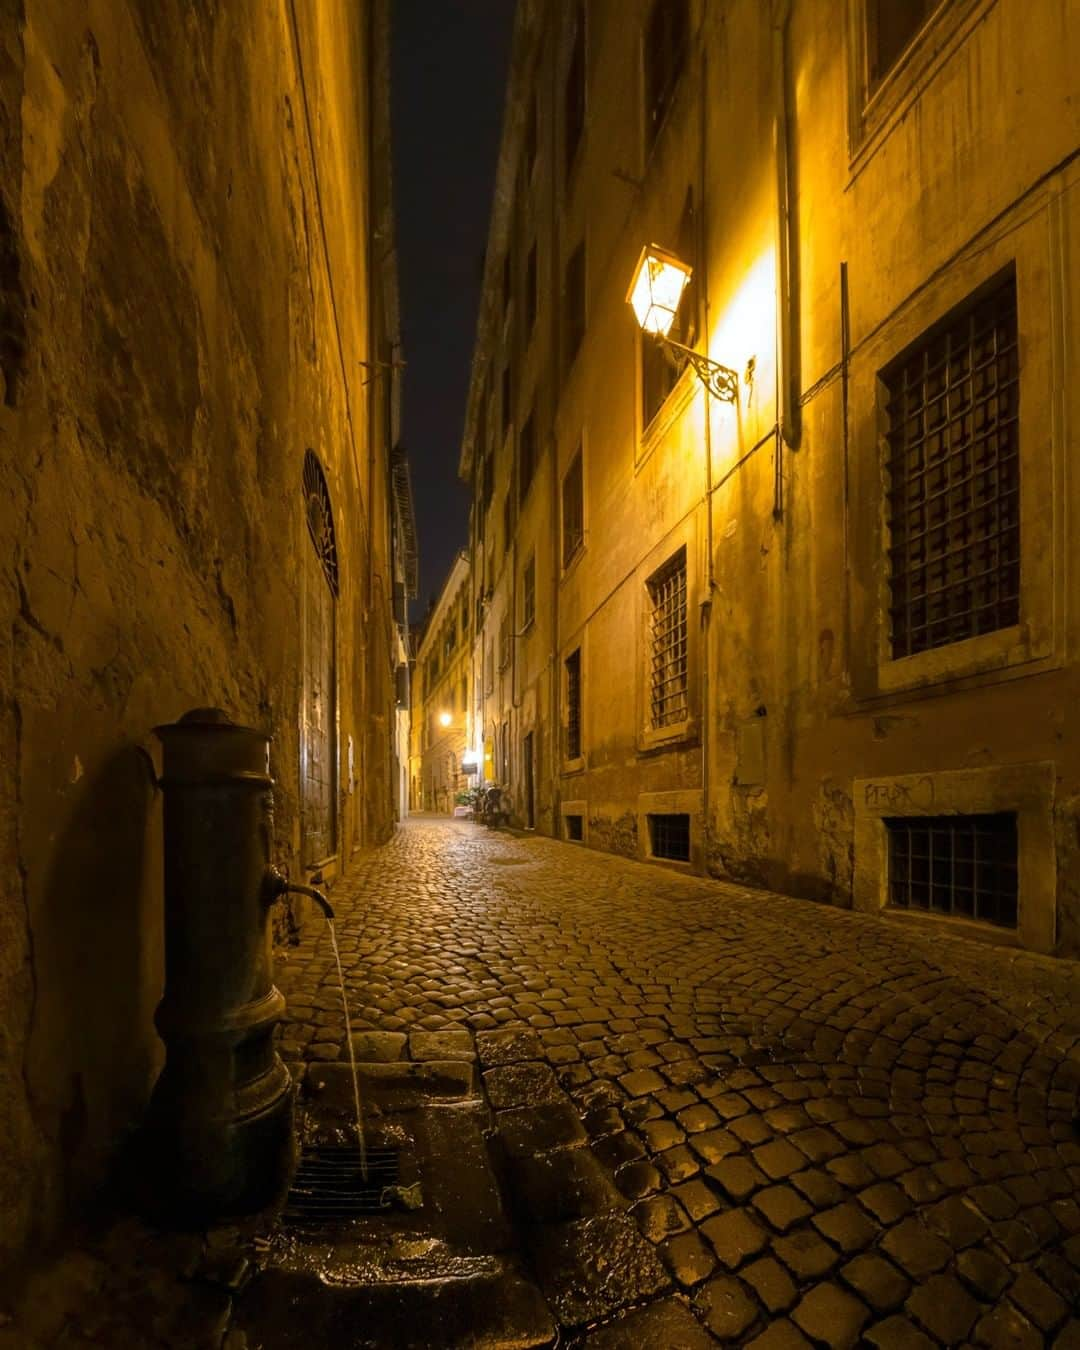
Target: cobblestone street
[{"x": 821, "y": 1128}]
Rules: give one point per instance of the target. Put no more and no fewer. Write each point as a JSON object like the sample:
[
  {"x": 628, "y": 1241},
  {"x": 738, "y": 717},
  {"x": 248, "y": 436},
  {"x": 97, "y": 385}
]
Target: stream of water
[{"x": 352, "y": 1054}]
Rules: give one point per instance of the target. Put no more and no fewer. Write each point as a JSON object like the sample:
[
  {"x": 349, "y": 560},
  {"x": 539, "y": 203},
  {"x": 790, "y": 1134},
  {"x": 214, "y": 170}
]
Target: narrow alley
[
  {"x": 539, "y": 658},
  {"x": 825, "y": 1127}
]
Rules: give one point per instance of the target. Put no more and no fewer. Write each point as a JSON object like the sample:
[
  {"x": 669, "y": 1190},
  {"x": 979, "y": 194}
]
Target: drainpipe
[
  {"x": 555, "y": 254},
  {"x": 710, "y": 578},
  {"x": 787, "y": 372}
]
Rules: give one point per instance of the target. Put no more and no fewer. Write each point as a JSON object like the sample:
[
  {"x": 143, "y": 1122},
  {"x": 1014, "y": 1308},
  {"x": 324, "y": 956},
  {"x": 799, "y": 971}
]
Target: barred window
[
  {"x": 669, "y": 837},
  {"x": 954, "y": 478},
  {"x": 668, "y": 641},
  {"x": 489, "y": 671},
  {"x": 573, "y": 705},
  {"x": 528, "y": 593},
  {"x": 573, "y": 512},
  {"x": 960, "y": 865}
]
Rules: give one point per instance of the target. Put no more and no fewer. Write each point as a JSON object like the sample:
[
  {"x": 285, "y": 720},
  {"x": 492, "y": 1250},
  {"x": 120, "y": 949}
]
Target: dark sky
[{"x": 448, "y": 72}]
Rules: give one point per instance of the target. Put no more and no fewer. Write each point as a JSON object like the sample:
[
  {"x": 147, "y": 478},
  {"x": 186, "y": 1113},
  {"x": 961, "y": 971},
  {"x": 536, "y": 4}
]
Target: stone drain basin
[{"x": 441, "y": 1273}]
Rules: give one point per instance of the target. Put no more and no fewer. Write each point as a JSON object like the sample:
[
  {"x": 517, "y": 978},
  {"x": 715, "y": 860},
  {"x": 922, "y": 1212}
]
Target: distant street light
[
  {"x": 445, "y": 719},
  {"x": 655, "y": 292}
]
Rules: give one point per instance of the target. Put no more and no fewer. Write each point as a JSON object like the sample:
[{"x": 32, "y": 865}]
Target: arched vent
[{"x": 320, "y": 519}]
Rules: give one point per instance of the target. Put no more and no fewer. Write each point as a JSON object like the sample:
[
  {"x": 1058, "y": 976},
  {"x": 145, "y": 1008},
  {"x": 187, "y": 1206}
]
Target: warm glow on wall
[
  {"x": 745, "y": 317},
  {"x": 657, "y": 287}
]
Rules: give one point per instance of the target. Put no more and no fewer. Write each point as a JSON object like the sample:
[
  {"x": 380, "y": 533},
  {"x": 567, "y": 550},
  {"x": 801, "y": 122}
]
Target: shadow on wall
[{"x": 98, "y": 956}]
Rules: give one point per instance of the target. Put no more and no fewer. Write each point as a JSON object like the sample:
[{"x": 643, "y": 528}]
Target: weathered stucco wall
[
  {"x": 962, "y": 165},
  {"x": 184, "y": 282}
]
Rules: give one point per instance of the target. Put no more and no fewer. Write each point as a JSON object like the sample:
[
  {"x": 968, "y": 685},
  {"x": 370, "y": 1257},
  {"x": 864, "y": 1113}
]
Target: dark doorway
[
  {"x": 530, "y": 792},
  {"x": 318, "y": 714}
]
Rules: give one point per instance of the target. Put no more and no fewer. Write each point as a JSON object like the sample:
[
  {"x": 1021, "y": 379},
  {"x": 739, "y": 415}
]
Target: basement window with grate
[
  {"x": 668, "y": 639},
  {"x": 962, "y": 866},
  {"x": 574, "y": 828},
  {"x": 953, "y": 462},
  {"x": 669, "y": 837}
]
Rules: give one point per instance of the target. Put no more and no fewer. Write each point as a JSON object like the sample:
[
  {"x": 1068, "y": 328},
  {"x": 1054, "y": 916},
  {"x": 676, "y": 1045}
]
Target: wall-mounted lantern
[
  {"x": 655, "y": 292},
  {"x": 445, "y": 719}
]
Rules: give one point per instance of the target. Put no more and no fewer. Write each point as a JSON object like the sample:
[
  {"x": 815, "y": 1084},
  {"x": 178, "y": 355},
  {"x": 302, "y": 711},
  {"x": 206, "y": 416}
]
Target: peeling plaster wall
[{"x": 184, "y": 304}]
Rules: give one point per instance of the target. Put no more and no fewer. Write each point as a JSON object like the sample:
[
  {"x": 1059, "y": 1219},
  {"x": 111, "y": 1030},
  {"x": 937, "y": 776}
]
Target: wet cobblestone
[{"x": 831, "y": 1129}]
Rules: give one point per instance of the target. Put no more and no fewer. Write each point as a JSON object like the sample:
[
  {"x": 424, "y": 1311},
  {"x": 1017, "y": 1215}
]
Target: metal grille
[
  {"x": 329, "y": 1186},
  {"x": 667, "y": 591},
  {"x": 670, "y": 837},
  {"x": 320, "y": 519},
  {"x": 959, "y": 865},
  {"x": 574, "y": 828},
  {"x": 573, "y": 705},
  {"x": 954, "y": 470}
]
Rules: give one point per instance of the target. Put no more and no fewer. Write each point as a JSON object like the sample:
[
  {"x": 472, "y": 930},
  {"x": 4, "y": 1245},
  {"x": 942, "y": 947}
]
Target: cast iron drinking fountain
[{"x": 220, "y": 1131}]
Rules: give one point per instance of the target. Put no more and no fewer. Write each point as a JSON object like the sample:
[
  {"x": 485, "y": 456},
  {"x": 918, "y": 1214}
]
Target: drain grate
[{"x": 329, "y": 1186}]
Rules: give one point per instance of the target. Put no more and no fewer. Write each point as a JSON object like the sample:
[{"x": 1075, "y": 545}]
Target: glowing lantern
[{"x": 659, "y": 281}]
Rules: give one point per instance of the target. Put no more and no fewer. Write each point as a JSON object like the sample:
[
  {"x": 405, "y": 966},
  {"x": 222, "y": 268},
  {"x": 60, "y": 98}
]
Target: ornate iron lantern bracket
[{"x": 721, "y": 381}]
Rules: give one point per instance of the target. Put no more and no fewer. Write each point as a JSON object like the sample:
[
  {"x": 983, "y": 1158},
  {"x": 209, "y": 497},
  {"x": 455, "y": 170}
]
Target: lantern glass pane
[{"x": 657, "y": 290}]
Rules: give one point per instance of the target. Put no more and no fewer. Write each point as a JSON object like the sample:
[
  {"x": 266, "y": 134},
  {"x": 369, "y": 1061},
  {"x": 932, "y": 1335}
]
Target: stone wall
[{"x": 184, "y": 282}]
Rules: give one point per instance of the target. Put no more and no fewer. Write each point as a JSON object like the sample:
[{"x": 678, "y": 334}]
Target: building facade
[
  {"x": 198, "y": 345},
  {"x": 809, "y": 629},
  {"x": 442, "y": 696}
]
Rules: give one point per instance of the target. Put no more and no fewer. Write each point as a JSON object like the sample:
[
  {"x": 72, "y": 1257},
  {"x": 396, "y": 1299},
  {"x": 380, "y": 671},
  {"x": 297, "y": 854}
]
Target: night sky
[{"x": 449, "y": 66}]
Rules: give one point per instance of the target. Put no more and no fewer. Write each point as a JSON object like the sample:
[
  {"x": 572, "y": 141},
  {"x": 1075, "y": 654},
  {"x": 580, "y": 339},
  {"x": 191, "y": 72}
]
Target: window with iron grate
[
  {"x": 320, "y": 519},
  {"x": 964, "y": 866},
  {"x": 668, "y": 636},
  {"x": 573, "y": 705},
  {"x": 574, "y": 828},
  {"x": 953, "y": 462},
  {"x": 669, "y": 837}
]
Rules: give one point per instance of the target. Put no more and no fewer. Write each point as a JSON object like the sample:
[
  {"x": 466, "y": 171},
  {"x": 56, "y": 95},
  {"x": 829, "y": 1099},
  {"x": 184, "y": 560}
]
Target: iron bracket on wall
[{"x": 721, "y": 381}]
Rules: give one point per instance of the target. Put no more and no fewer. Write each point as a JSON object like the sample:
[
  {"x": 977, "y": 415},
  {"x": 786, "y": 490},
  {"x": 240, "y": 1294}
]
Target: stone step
[{"x": 495, "y": 1309}]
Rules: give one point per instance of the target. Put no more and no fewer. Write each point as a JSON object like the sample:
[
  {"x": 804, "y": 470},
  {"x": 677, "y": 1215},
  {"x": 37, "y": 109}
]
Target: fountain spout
[{"x": 277, "y": 885}]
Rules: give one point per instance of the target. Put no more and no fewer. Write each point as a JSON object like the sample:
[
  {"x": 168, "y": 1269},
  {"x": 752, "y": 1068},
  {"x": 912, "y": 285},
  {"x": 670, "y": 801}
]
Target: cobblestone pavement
[{"x": 830, "y": 1129}]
